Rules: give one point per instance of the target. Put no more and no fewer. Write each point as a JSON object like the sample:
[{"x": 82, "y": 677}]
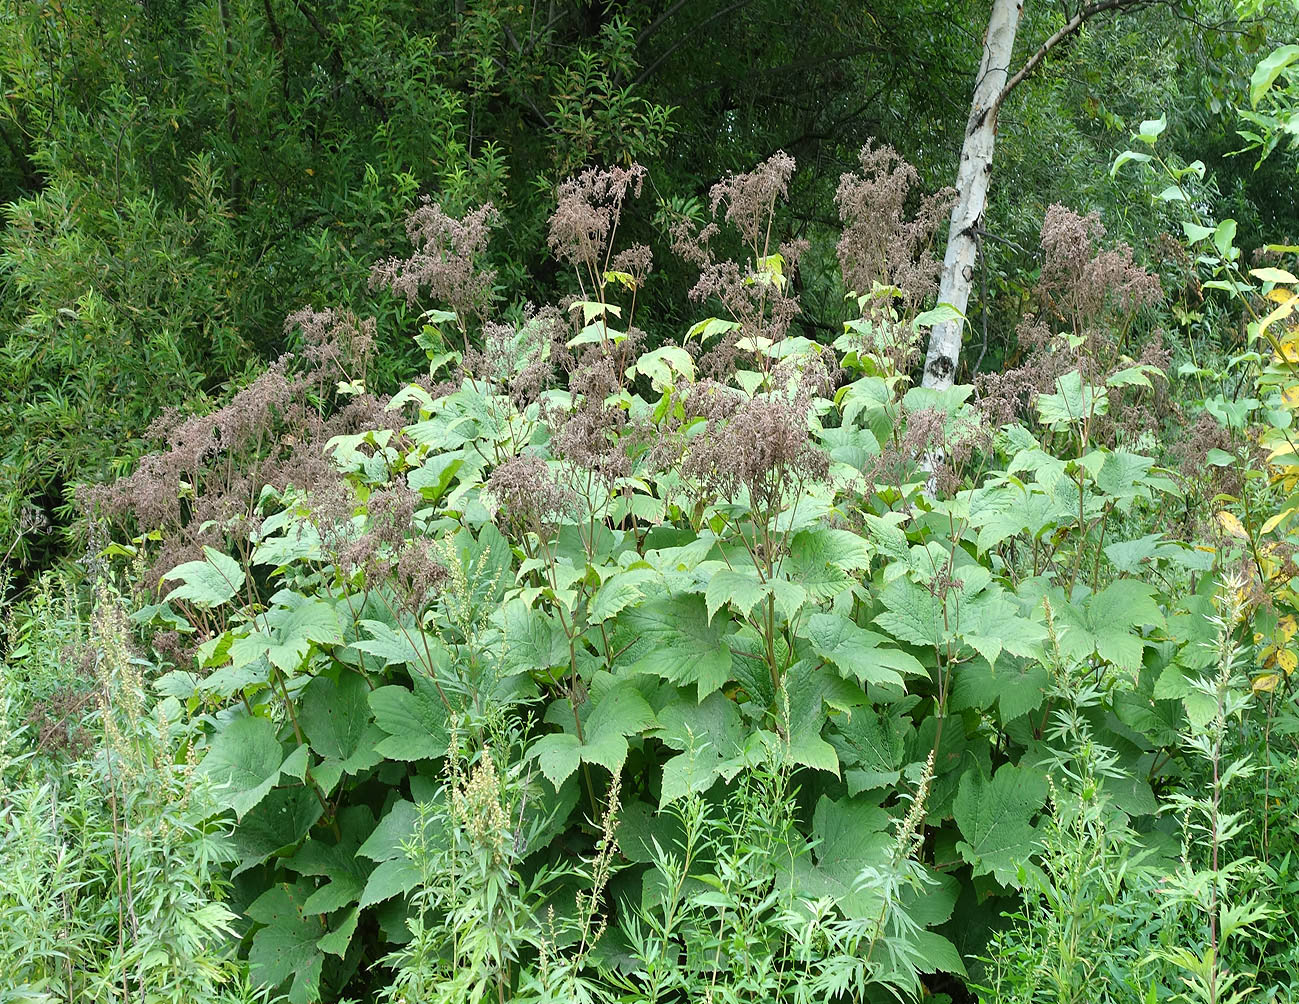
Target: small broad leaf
[
  {"x": 1151, "y": 129},
  {"x": 1268, "y": 69},
  {"x": 1224, "y": 236},
  {"x": 940, "y": 314},
  {"x": 1128, "y": 156}
]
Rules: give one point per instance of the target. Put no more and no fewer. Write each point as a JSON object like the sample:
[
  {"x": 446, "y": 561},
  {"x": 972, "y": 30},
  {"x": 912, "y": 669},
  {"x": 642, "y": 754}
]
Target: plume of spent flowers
[{"x": 447, "y": 261}]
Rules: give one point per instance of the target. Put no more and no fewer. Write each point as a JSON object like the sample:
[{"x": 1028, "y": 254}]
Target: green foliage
[
  {"x": 426, "y": 731},
  {"x": 111, "y": 868}
]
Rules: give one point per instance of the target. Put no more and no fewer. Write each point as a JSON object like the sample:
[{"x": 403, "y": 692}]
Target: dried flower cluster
[
  {"x": 1094, "y": 294},
  {"x": 586, "y": 218},
  {"x": 525, "y": 495},
  {"x": 447, "y": 261},
  {"x": 761, "y": 447},
  {"x": 881, "y": 244},
  {"x": 335, "y": 342},
  {"x": 758, "y": 292}
]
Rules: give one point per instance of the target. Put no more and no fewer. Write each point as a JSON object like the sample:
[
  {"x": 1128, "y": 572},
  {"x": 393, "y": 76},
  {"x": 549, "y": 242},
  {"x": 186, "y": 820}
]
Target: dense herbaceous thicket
[{"x": 591, "y": 593}]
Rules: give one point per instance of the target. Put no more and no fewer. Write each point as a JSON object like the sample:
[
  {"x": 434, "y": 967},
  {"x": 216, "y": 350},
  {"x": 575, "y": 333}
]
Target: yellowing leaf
[
  {"x": 1231, "y": 525},
  {"x": 1290, "y": 396},
  {"x": 1286, "y": 626},
  {"x": 1287, "y": 660},
  {"x": 1270, "y": 274},
  {"x": 1284, "y": 310},
  {"x": 1274, "y": 521},
  {"x": 1266, "y": 683}
]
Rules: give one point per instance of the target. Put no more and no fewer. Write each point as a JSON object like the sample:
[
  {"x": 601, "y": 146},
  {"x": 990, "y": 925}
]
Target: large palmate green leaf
[
  {"x": 743, "y": 590},
  {"x": 872, "y": 747},
  {"x": 337, "y": 861},
  {"x": 850, "y": 834},
  {"x": 414, "y": 720},
  {"x": 336, "y": 719},
  {"x": 207, "y": 583},
  {"x": 710, "y": 736},
  {"x": 995, "y": 818},
  {"x": 275, "y": 826},
  {"x": 676, "y": 640},
  {"x": 1015, "y": 689},
  {"x": 395, "y": 874},
  {"x": 857, "y": 651},
  {"x": 620, "y": 711},
  {"x": 1108, "y": 623},
  {"x": 821, "y": 558},
  {"x": 285, "y": 948},
  {"x": 244, "y": 762}
]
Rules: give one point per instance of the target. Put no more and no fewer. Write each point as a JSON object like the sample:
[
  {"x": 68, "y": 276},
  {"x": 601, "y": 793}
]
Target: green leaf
[
  {"x": 296, "y": 626},
  {"x": 392, "y": 878},
  {"x": 396, "y": 874},
  {"x": 244, "y": 762},
  {"x": 433, "y": 479},
  {"x": 398, "y": 825},
  {"x": 1224, "y": 236},
  {"x": 710, "y": 328},
  {"x": 207, "y": 583},
  {"x": 415, "y": 720},
  {"x": 338, "y": 862},
  {"x": 709, "y": 735},
  {"x": 619, "y": 712},
  {"x": 995, "y": 818},
  {"x": 1129, "y": 156},
  {"x": 741, "y": 589},
  {"x": 1014, "y": 689},
  {"x": 849, "y": 836},
  {"x": 1151, "y": 129},
  {"x": 912, "y": 613},
  {"x": 275, "y": 826},
  {"x": 534, "y": 642},
  {"x": 808, "y": 690},
  {"x": 821, "y": 558},
  {"x": 679, "y": 642},
  {"x": 335, "y": 715},
  {"x": 286, "y": 947},
  {"x": 1268, "y": 69},
  {"x": 871, "y": 747},
  {"x": 340, "y": 935},
  {"x": 939, "y": 314},
  {"x": 397, "y": 647},
  {"x": 1073, "y": 401},
  {"x": 619, "y": 591},
  {"x": 857, "y": 651},
  {"x": 1107, "y": 624}
]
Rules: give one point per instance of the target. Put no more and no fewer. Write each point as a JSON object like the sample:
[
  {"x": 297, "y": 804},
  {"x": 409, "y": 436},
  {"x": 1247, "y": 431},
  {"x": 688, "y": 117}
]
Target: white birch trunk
[{"x": 972, "y": 179}]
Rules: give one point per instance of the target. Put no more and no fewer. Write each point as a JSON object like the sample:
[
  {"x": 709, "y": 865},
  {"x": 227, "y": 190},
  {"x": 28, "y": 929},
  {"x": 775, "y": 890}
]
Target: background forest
[{"x": 478, "y": 522}]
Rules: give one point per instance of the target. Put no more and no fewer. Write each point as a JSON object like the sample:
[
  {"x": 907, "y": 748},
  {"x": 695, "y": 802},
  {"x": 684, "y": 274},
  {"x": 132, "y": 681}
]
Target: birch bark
[{"x": 972, "y": 180}]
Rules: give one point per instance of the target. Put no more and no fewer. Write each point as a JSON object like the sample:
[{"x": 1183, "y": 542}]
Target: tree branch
[
  {"x": 691, "y": 36},
  {"x": 1084, "y": 14}
]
